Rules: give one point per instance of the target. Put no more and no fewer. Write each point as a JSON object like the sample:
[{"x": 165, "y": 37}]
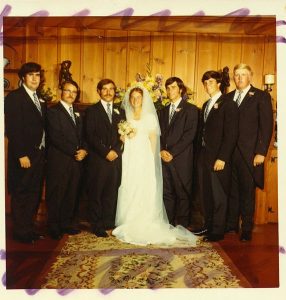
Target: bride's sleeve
[{"x": 153, "y": 134}]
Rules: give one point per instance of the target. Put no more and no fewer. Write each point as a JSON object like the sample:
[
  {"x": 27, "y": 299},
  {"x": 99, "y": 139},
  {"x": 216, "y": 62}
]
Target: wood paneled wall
[
  {"x": 119, "y": 47},
  {"x": 108, "y": 47}
]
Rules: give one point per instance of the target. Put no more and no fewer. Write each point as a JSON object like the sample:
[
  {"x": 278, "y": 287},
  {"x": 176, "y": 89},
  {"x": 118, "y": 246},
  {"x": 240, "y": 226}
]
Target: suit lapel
[
  {"x": 30, "y": 102},
  {"x": 247, "y": 99},
  {"x": 61, "y": 107},
  {"x": 176, "y": 113},
  {"x": 104, "y": 114},
  {"x": 216, "y": 104}
]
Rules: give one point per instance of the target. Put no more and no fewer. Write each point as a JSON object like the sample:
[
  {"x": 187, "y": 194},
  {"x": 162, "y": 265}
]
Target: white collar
[
  {"x": 66, "y": 105},
  {"x": 30, "y": 92},
  {"x": 177, "y": 102}
]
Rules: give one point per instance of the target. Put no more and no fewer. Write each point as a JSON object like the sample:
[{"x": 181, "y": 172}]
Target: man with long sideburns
[
  {"x": 25, "y": 116},
  {"x": 66, "y": 152},
  {"x": 254, "y": 135},
  {"x": 178, "y": 123},
  {"x": 104, "y": 164}
]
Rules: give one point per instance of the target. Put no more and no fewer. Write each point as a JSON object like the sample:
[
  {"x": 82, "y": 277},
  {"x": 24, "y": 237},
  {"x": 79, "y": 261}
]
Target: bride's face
[{"x": 136, "y": 99}]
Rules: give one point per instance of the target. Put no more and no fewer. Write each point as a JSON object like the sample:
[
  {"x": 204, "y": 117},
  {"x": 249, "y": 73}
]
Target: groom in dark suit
[
  {"x": 66, "y": 151},
  {"x": 217, "y": 137},
  {"x": 178, "y": 123},
  {"x": 254, "y": 135},
  {"x": 104, "y": 164},
  {"x": 25, "y": 116}
]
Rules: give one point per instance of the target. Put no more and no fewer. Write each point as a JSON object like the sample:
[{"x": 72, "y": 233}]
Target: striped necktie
[
  {"x": 37, "y": 102},
  {"x": 72, "y": 114},
  {"x": 207, "y": 109},
  {"x": 172, "y": 112},
  {"x": 238, "y": 99},
  {"x": 109, "y": 112}
]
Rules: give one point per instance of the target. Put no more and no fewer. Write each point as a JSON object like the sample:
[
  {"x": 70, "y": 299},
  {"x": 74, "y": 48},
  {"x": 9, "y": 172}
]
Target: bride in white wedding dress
[{"x": 141, "y": 218}]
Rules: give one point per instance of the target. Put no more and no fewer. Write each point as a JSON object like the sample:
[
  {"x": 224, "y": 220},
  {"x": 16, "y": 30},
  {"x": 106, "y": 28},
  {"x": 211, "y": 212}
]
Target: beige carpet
[{"x": 86, "y": 261}]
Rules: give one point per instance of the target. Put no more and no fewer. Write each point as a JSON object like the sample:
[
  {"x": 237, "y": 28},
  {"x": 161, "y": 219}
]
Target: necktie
[
  {"x": 37, "y": 102},
  {"x": 72, "y": 114},
  {"x": 207, "y": 110},
  {"x": 238, "y": 99},
  {"x": 109, "y": 112},
  {"x": 172, "y": 112}
]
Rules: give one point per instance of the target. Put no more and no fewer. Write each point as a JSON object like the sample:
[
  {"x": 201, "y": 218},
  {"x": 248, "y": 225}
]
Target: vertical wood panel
[
  {"x": 162, "y": 52},
  {"x": 115, "y": 56},
  {"x": 92, "y": 63},
  {"x": 252, "y": 54},
  {"x": 15, "y": 47},
  {"x": 270, "y": 65},
  {"x": 207, "y": 59},
  {"x": 138, "y": 53},
  {"x": 185, "y": 58},
  {"x": 31, "y": 43},
  {"x": 69, "y": 49},
  {"x": 47, "y": 53},
  {"x": 230, "y": 54}
]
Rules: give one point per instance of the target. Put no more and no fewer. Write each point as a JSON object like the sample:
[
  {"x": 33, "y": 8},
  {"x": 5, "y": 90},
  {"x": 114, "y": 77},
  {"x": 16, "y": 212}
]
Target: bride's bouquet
[{"x": 125, "y": 129}]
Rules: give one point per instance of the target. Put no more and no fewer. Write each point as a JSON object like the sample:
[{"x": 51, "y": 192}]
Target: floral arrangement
[
  {"x": 154, "y": 85},
  {"x": 125, "y": 129}
]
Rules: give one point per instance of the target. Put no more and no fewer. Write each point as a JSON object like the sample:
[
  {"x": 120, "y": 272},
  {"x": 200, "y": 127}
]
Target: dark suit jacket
[
  {"x": 177, "y": 138},
  {"x": 101, "y": 135},
  {"x": 219, "y": 133},
  {"x": 65, "y": 138},
  {"x": 24, "y": 127},
  {"x": 255, "y": 129}
]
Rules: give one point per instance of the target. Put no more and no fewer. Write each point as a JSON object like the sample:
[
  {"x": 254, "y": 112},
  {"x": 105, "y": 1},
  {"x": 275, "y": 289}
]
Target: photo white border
[{"x": 147, "y": 8}]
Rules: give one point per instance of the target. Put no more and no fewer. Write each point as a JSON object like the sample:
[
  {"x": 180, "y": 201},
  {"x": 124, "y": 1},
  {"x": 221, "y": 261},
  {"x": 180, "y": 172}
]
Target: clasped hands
[
  {"x": 166, "y": 156},
  {"x": 80, "y": 154},
  {"x": 258, "y": 160},
  {"x": 111, "y": 156}
]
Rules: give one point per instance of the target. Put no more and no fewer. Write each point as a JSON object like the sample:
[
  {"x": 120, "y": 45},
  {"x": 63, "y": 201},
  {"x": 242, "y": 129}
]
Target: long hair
[{"x": 180, "y": 84}]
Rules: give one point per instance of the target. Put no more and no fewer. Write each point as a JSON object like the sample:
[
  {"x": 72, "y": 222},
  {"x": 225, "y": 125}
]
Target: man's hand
[
  {"x": 166, "y": 156},
  {"x": 112, "y": 155},
  {"x": 80, "y": 154},
  {"x": 219, "y": 165},
  {"x": 258, "y": 160},
  {"x": 25, "y": 162}
]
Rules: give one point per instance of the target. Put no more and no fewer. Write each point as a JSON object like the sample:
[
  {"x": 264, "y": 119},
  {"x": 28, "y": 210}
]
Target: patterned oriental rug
[{"x": 86, "y": 261}]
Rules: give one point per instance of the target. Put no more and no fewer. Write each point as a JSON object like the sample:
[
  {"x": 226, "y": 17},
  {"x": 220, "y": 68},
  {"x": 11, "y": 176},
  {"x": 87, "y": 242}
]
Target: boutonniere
[
  {"x": 77, "y": 114},
  {"x": 178, "y": 109},
  {"x": 251, "y": 94},
  {"x": 215, "y": 106},
  {"x": 116, "y": 111},
  {"x": 41, "y": 100}
]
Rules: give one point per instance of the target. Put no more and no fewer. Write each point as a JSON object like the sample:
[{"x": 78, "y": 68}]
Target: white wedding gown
[{"x": 141, "y": 217}]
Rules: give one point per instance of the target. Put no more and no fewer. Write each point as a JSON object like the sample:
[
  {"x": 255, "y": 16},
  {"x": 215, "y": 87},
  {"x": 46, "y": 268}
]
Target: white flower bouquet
[{"x": 125, "y": 129}]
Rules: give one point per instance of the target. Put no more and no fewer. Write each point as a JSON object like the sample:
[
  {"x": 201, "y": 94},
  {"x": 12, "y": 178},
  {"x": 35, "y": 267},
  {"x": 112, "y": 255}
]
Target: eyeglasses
[{"x": 70, "y": 92}]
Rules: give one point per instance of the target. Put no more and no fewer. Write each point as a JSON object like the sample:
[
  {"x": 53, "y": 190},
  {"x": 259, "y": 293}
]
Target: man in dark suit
[
  {"x": 66, "y": 151},
  {"x": 217, "y": 137},
  {"x": 254, "y": 135},
  {"x": 104, "y": 164},
  {"x": 178, "y": 123},
  {"x": 25, "y": 117}
]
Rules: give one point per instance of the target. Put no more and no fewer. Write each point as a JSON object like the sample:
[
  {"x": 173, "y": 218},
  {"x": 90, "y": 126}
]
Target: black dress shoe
[
  {"x": 200, "y": 232},
  {"x": 212, "y": 237},
  {"x": 100, "y": 232},
  {"x": 71, "y": 231},
  {"x": 246, "y": 236}
]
